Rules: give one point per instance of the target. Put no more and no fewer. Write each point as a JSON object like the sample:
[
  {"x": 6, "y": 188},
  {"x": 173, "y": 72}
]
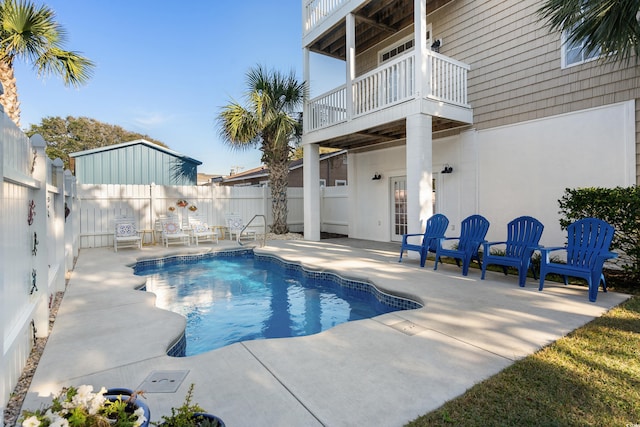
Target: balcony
[
  {"x": 315, "y": 11},
  {"x": 444, "y": 87}
]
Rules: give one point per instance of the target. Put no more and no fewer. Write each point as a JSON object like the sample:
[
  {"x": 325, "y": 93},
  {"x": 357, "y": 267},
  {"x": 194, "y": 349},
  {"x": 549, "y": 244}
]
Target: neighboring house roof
[
  {"x": 136, "y": 142},
  {"x": 263, "y": 171}
]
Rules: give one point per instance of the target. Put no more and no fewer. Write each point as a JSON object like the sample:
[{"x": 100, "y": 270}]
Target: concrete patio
[{"x": 384, "y": 371}]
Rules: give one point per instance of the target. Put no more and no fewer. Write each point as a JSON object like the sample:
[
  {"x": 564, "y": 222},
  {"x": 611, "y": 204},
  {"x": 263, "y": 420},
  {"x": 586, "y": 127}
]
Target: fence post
[
  {"x": 69, "y": 215},
  {"x": 39, "y": 282},
  {"x": 57, "y": 223},
  {"x": 152, "y": 207}
]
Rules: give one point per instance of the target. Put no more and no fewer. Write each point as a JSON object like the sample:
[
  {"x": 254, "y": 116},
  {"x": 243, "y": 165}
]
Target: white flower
[
  {"x": 32, "y": 421},
  {"x": 141, "y": 418},
  {"x": 96, "y": 404},
  {"x": 83, "y": 396},
  {"x": 59, "y": 422}
]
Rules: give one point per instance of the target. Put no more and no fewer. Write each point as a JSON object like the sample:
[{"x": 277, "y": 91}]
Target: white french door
[{"x": 398, "y": 208}]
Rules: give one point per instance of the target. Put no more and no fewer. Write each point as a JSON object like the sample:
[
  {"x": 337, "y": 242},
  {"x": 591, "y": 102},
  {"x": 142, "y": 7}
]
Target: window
[
  {"x": 399, "y": 49},
  {"x": 403, "y": 46},
  {"x": 323, "y": 182},
  {"x": 573, "y": 54},
  {"x": 340, "y": 182}
]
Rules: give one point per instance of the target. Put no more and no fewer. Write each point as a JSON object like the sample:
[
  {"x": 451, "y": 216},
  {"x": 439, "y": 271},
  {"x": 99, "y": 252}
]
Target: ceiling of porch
[
  {"x": 375, "y": 21},
  {"x": 387, "y": 133}
]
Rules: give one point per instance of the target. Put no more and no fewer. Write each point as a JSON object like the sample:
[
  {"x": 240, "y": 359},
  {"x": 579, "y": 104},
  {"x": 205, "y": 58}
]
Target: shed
[{"x": 134, "y": 162}]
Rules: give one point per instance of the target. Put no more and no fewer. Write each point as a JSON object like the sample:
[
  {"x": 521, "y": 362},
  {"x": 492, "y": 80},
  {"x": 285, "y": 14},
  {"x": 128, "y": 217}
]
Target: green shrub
[{"x": 618, "y": 206}]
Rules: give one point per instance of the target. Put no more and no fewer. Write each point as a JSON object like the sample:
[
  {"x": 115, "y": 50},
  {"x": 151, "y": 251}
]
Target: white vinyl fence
[
  {"x": 99, "y": 206},
  {"x": 37, "y": 249}
]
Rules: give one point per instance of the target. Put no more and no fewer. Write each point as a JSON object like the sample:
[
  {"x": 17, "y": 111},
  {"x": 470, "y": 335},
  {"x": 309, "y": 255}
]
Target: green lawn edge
[{"x": 591, "y": 377}]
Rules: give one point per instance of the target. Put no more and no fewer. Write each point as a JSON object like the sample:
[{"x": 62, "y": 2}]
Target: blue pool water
[{"x": 233, "y": 298}]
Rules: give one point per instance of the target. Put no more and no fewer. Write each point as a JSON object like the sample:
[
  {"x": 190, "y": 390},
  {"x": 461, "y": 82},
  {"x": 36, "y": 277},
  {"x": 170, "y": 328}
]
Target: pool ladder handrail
[{"x": 264, "y": 234}]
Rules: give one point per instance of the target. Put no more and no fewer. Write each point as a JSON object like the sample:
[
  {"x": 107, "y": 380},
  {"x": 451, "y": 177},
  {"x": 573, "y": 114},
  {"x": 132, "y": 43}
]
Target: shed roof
[{"x": 135, "y": 142}]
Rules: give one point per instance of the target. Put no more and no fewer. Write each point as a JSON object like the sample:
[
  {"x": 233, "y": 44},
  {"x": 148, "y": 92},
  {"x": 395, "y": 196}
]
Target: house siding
[{"x": 516, "y": 72}]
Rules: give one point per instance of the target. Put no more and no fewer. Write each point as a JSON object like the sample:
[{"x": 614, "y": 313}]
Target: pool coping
[{"x": 388, "y": 370}]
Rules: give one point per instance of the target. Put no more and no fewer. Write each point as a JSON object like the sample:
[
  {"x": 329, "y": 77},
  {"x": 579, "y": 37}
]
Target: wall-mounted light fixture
[
  {"x": 447, "y": 169},
  {"x": 377, "y": 176}
]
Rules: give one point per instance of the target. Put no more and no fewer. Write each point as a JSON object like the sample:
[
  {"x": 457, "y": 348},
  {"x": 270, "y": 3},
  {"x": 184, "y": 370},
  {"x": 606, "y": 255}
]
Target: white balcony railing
[
  {"x": 388, "y": 85},
  {"x": 384, "y": 86},
  {"x": 317, "y": 10},
  {"x": 327, "y": 109}
]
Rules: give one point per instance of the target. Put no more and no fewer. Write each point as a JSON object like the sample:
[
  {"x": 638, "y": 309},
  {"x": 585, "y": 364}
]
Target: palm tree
[
  {"x": 268, "y": 120},
  {"x": 610, "y": 28},
  {"x": 30, "y": 33}
]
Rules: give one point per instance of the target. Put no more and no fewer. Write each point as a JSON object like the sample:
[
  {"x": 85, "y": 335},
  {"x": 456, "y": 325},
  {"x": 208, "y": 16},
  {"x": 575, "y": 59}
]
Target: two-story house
[{"x": 461, "y": 107}]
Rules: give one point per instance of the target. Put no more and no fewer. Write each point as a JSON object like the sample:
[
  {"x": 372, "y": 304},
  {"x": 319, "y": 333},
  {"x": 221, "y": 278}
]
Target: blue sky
[{"x": 166, "y": 68}]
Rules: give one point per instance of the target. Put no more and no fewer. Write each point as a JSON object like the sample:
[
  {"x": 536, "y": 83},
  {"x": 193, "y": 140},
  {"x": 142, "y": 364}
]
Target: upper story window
[
  {"x": 573, "y": 53},
  {"x": 403, "y": 46}
]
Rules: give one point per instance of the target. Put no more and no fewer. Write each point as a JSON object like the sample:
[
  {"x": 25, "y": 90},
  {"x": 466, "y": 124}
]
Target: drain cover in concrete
[
  {"x": 408, "y": 328},
  {"x": 163, "y": 381}
]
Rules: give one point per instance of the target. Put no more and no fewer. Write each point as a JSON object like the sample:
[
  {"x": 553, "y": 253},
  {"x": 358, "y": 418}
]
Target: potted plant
[
  {"x": 190, "y": 415},
  {"x": 193, "y": 208},
  {"x": 182, "y": 203},
  {"x": 81, "y": 407}
]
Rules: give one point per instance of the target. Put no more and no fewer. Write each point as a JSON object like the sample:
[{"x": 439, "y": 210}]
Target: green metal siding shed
[{"x": 135, "y": 162}]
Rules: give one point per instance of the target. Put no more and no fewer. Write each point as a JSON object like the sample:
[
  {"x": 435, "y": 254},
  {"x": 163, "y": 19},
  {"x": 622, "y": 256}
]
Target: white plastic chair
[
  {"x": 173, "y": 233},
  {"x": 200, "y": 231},
  {"x": 126, "y": 234},
  {"x": 235, "y": 224}
]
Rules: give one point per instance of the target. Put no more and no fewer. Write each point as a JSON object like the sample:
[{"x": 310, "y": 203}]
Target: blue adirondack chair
[
  {"x": 435, "y": 229},
  {"x": 472, "y": 233},
  {"x": 587, "y": 249},
  {"x": 523, "y": 235}
]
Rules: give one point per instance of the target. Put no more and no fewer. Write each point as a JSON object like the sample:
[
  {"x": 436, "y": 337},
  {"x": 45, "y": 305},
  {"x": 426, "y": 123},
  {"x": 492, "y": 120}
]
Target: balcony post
[
  {"x": 306, "y": 78},
  {"x": 419, "y": 171},
  {"x": 420, "y": 42},
  {"x": 351, "y": 61}
]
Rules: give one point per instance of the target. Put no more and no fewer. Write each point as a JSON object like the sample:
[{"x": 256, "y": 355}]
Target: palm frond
[
  {"x": 608, "y": 27},
  {"x": 74, "y": 68}
]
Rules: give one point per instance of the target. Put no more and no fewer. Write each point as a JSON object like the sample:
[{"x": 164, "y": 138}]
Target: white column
[
  {"x": 419, "y": 172},
  {"x": 4, "y": 358},
  {"x": 311, "y": 182},
  {"x": 351, "y": 61}
]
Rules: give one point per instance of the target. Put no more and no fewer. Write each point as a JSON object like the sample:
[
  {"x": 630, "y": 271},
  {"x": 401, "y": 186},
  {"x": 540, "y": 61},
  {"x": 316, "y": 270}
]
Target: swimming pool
[{"x": 235, "y": 296}]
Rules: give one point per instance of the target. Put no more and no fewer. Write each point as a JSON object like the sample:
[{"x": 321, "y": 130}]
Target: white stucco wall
[
  {"x": 371, "y": 216},
  {"x": 525, "y": 168},
  {"x": 505, "y": 172}
]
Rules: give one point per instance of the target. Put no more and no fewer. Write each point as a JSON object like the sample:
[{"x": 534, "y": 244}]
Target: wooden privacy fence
[{"x": 99, "y": 205}]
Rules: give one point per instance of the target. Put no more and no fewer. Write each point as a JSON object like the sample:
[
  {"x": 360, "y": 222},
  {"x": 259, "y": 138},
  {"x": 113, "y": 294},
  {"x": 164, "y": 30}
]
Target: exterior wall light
[{"x": 447, "y": 169}]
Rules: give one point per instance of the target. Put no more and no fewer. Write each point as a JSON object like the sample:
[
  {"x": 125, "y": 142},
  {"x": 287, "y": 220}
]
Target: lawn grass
[{"x": 591, "y": 377}]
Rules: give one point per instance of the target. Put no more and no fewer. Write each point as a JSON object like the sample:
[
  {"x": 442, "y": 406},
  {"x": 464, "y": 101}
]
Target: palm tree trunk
[
  {"x": 9, "y": 100},
  {"x": 279, "y": 181}
]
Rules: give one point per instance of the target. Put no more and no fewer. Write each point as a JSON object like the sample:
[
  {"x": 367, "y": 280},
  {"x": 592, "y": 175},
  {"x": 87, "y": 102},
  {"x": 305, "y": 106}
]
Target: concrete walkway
[{"x": 384, "y": 371}]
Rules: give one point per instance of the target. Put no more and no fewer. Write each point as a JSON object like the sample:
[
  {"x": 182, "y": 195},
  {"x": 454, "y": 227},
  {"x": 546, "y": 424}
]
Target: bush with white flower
[{"x": 81, "y": 407}]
